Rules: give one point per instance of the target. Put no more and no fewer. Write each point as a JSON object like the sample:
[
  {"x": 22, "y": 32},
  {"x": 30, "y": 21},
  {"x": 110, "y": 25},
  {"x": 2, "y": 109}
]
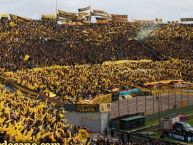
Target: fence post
[
  {"x": 137, "y": 104},
  {"x": 128, "y": 105},
  {"x": 159, "y": 115},
  {"x": 145, "y": 104},
  {"x": 118, "y": 108},
  {"x": 160, "y": 100},
  {"x": 153, "y": 103},
  {"x": 188, "y": 99},
  {"x": 175, "y": 96},
  {"x": 181, "y": 97},
  {"x": 168, "y": 97}
]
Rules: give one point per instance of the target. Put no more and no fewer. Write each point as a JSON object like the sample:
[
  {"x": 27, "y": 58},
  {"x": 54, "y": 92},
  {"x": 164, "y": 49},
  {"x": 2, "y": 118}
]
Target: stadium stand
[
  {"x": 79, "y": 62},
  {"x": 74, "y": 83},
  {"x": 47, "y": 45},
  {"x": 26, "y": 120}
]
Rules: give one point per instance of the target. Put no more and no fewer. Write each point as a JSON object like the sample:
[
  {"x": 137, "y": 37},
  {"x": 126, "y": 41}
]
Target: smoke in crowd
[{"x": 146, "y": 31}]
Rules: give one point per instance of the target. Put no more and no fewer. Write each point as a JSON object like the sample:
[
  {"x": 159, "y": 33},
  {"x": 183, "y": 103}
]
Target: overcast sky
[{"x": 135, "y": 9}]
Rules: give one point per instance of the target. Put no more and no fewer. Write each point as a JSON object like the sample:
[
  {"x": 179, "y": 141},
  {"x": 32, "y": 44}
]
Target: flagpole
[
  {"x": 56, "y": 12},
  {"x": 90, "y": 11},
  {"x": 56, "y": 6}
]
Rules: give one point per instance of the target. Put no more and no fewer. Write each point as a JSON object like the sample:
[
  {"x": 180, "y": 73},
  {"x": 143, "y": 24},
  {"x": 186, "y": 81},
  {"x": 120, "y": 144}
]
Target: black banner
[
  {"x": 186, "y": 19},
  {"x": 87, "y": 108},
  {"x": 82, "y": 108},
  {"x": 177, "y": 136},
  {"x": 84, "y": 9}
]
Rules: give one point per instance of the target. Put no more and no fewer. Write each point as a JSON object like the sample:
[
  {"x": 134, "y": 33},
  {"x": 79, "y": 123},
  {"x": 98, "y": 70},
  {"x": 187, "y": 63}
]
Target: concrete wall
[
  {"x": 104, "y": 121},
  {"x": 96, "y": 122}
]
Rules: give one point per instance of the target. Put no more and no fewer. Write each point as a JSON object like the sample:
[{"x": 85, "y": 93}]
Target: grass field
[{"x": 154, "y": 119}]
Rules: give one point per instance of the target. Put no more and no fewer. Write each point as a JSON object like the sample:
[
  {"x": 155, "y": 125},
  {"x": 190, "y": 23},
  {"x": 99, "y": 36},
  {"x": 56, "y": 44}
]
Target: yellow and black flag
[
  {"x": 19, "y": 18},
  {"x": 101, "y": 13},
  {"x": 121, "y": 18},
  {"x": 26, "y": 58},
  {"x": 84, "y": 9},
  {"x": 64, "y": 14}
]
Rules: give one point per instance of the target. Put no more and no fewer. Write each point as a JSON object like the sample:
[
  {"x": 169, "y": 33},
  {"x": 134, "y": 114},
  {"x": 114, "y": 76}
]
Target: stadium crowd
[
  {"x": 74, "y": 83},
  {"x": 79, "y": 62},
  {"x": 47, "y": 44},
  {"x": 24, "y": 119}
]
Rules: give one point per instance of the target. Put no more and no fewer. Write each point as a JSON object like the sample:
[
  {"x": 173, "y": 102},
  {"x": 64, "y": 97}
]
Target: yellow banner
[
  {"x": 116, "y": 17},
  {"x": 64, "y": 14},
  {"x": 49, "y": 17},
  {"x": 4, "y": 15},
  {"x": 101, "y": 13},
  {"x": 105, "y": 107},
  {"x": 143, "y": 21}
]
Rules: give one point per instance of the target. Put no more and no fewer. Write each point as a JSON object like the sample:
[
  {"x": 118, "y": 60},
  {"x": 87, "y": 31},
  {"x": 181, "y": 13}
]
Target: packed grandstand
[{"x": 74, "y": 63}]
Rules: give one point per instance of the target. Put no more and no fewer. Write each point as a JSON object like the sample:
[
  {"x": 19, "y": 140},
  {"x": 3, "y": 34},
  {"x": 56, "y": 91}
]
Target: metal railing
[{"x": 158, "y": 101}]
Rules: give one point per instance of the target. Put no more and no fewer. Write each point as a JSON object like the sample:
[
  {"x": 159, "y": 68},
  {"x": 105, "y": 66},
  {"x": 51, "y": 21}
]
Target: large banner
[
  {"x": 186, "y": 19},
  {"x": 100, "y": 20},
  {"x": 64, "y": 14},
  {"x": 19, "y": 18},
  {"x": 4, "y": 15},
  {"x": 101, "y": 13},
  {"x": 82, "y": 108},
  {"x": 106, "y": 107},
  {"x": 123, "y": 18},
  {"x": 125, "y": 93},
  {"x": 144, "y": 21},
  {"x": 83, "y": 14},
  {"x": 49, "y": 17},
  {"x": 84, "y": 9}
]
